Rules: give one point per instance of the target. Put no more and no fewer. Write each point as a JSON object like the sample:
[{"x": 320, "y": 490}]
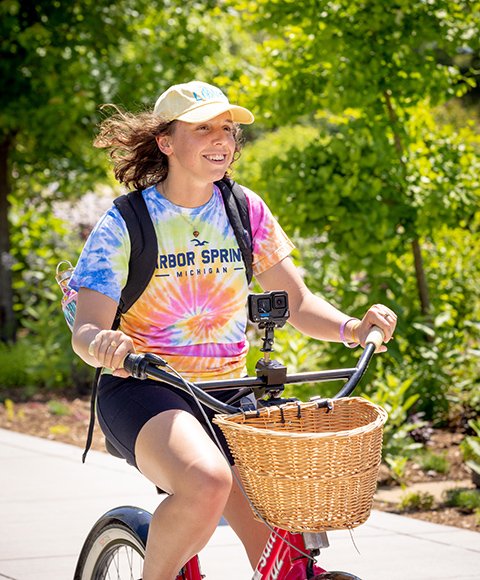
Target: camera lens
[
  {"x": 279, "y": 302},
  {"x": 264, "y": 305}
]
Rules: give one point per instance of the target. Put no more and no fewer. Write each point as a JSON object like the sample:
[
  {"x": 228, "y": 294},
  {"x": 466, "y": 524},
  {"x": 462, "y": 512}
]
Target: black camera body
[{"x": 269, "y": 308}]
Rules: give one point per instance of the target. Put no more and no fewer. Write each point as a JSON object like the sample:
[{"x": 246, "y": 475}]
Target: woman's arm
[
  {"x": 92, "y": 338},
  {"x": 316, "y": 317}
]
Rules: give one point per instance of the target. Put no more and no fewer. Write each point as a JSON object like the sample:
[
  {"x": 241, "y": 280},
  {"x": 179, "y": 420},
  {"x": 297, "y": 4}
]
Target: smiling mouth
[{"x": 216, "y": 158}]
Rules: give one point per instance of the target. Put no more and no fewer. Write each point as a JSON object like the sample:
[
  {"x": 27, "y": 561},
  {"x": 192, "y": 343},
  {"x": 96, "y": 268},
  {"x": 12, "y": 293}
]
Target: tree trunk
[
  {"x": 421, "y": 279},
  {"x": 7, "y": 318},
  {"x": 422, "y": 285}
]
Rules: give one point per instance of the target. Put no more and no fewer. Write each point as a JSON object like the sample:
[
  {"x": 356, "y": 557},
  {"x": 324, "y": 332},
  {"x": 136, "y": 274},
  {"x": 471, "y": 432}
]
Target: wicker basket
[{"x": 307, "y": 469}]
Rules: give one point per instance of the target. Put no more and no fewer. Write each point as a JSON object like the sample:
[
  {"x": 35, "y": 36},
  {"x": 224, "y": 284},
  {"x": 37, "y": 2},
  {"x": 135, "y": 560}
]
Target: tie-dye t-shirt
[{"x": 193, "y": 312}]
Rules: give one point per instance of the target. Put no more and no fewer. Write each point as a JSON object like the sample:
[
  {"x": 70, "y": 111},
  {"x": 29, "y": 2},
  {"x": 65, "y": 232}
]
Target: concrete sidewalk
[{"x": 49, "y": 501}]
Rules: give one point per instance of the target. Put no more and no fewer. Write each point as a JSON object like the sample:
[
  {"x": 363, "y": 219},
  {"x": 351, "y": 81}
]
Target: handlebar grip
[
  {"x": 137, "y": 364},
  {"x": 133, "y": 364},
  {"x": 128, "y": 362},
  {"x": 375, "y": 336}
]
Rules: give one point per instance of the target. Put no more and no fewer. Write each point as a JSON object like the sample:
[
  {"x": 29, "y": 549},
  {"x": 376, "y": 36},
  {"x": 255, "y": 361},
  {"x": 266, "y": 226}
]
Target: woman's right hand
[{"x": 110, "y": 347}]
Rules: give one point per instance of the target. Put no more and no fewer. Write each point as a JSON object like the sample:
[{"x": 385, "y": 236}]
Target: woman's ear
[{"x": 163, "y": 143}]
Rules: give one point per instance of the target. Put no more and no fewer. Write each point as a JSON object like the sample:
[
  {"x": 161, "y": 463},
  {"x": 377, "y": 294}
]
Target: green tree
[
  {"x": 372, "y": 62},
  {"x": 61, "y": 59},
  {"x": 51, "y": 63}
]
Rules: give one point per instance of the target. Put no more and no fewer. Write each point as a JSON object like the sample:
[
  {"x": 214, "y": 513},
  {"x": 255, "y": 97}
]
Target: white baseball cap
[{"x": 196, "y": 102}]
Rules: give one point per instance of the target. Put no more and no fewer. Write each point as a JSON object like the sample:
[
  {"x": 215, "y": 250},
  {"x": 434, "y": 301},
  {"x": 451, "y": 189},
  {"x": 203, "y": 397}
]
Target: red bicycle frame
[
  {"x": 281, "y": 559},
  {"x": 191, "y": 570}
]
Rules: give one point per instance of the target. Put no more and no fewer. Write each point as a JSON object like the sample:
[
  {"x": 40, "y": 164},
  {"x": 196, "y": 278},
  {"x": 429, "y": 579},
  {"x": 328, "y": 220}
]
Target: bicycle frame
[
  {"x": 191, "y": 570},
  {"x": 281, "y": 559}
]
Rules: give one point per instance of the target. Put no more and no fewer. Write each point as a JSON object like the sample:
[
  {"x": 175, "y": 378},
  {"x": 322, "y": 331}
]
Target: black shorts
[{"x": 125, "y": 405}]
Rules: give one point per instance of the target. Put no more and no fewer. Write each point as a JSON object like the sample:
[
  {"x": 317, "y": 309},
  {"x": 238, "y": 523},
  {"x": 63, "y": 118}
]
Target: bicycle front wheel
[{"x": 113, "y": 549}]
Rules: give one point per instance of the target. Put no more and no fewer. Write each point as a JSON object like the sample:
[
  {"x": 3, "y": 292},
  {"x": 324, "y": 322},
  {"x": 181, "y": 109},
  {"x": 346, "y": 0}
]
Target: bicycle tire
[{"x": 115, "y": 545}]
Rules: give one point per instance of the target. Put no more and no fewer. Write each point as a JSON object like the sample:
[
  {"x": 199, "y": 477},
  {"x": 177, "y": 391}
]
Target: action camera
[{"x": 270, "y": 307}]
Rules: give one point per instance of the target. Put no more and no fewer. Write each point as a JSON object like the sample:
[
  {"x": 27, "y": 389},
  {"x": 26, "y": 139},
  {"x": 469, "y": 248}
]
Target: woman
[{"x": 192, "y": 312}]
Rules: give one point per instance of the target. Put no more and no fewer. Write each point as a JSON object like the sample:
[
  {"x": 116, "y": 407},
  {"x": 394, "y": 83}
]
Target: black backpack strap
[
  {"x": 141, "y": 267},
  {"x": 236, "y": 206},
  {"x": 91, "y": 425},
  {"x": 144, "y": 248}
]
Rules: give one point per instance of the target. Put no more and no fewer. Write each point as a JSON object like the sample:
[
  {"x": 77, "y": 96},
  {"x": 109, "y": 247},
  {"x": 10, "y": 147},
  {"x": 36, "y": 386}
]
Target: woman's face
[{"x": 204, "y": 151}]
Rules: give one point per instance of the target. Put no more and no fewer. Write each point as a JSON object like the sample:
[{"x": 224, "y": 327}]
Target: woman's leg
[
  {"x": 175, "y": 453},
  {"x": 253, "y": 533}
]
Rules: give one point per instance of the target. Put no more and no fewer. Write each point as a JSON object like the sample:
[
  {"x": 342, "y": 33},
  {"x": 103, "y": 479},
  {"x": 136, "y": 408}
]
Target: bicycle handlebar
[{"x": 142, "y": 366}]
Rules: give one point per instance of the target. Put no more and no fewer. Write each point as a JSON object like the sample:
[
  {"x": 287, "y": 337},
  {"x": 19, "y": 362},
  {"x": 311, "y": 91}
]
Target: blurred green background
[{"x": 366, "y": 147}]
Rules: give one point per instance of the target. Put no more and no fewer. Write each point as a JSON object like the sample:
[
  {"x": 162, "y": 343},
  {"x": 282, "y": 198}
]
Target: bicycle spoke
[
  {"x": 130, "y": 562},
  {"x": 121, "y": 564},
  {"x": 117, "y": 564}
]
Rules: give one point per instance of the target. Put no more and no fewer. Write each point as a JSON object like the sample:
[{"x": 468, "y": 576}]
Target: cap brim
[{"x": 208, "y": 111}]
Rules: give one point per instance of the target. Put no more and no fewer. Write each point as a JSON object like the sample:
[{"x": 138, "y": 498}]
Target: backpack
[
  {"x": 144, "y": 252},
  {"x": 143, "y": 256}
]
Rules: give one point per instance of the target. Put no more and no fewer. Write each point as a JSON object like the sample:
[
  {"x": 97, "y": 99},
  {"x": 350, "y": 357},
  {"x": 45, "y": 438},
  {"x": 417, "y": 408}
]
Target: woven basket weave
[{"x": 307, "y": 469}]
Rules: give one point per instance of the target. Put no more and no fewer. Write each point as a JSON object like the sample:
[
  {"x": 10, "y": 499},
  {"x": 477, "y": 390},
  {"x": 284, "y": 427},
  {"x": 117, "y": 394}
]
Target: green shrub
[
  {"x": 392, "y": 393},
  {"x": 430, "y": 461},
  {"x": 416, "y": 501},
  {"x": 42, "y": 359},
  {"x": 397, "y": 465},
  {"x": 58, "y": 408},
  {"x": 39, "y": 241},
  {"x": 13, "y": 367},
  {"x": 470, "y": 447},
  {"x": 466, "y": 500},
  {"x": 348, "y": 169}
]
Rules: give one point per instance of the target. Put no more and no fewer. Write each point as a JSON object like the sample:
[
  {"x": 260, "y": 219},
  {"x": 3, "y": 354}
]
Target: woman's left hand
[{"x": 381, "y": 316}]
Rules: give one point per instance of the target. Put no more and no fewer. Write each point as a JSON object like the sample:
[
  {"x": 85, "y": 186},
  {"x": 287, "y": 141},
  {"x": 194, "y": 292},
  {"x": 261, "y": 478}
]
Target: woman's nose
[{"x": 218, "y": 136}]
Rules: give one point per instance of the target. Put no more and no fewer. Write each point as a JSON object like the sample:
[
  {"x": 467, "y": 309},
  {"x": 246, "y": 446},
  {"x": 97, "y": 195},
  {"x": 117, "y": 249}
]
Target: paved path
[{"x": 49, "y": 501}]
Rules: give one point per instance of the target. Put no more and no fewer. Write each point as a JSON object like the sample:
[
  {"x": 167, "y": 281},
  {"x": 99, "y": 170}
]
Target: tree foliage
[
  {"x": 325, "y": 54},
  {"x": 382, "y": 177},
  {"x": 379, "y": 67},
  {"x": 60, "y": 60}
]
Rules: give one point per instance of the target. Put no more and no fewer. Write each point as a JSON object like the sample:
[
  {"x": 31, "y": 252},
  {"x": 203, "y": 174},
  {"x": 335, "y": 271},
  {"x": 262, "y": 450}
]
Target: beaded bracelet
[{"x": 342, "y": 334}]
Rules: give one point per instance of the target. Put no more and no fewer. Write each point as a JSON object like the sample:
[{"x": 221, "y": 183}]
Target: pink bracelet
[{"x": 342, "y": 333}]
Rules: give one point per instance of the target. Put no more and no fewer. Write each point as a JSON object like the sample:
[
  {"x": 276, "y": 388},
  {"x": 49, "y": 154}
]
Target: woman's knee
[
  {"x": 174, "y": 452},
  {"x": 208, "y": 483}
]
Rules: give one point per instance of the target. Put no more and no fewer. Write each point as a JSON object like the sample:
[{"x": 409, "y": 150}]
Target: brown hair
[{"x": 131, "y": 141}]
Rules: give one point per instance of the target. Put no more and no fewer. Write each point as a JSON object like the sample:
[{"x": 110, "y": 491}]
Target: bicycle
[{"x": 115, "y": 546}]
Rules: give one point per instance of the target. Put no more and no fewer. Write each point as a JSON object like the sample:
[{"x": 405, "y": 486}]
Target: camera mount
[{"x": 269, "y": 311}]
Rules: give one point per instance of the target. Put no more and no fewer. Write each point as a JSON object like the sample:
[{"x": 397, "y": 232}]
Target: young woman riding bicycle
[{"x": 192, "y": 313}]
